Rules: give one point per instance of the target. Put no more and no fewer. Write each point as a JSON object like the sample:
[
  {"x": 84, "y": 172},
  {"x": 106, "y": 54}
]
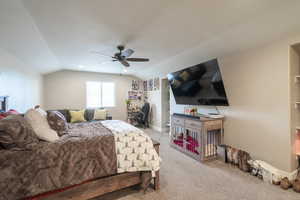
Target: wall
[
  {"x": 257, "y": 85},
  {"x": 67, "y": 89},
  {"x": 22, "y": 87},
  {"x": 160, "y": 107},
  {"x": 154, "y": 99},
  {"x": 165, "y": 107}
]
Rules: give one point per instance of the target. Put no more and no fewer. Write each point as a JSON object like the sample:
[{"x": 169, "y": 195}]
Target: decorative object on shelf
[
  {"x": 132, "y": 95},
  {"x": 193, "y": 111},
  {"x": 135, "y": 85},
  {"x": 156, "y": 84},
  {"x": 127, "y": 101},
  {"x": 141, "y": 85},
  {"x": 150, "y": 85},
  {"x": 145, "y": 85},
  {"x": 140, "y": 95},
  {"x": 190, "y": 111}
]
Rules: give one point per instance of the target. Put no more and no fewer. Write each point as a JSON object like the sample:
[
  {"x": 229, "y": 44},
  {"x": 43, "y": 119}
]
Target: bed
[{"x": 85, "y": 163}]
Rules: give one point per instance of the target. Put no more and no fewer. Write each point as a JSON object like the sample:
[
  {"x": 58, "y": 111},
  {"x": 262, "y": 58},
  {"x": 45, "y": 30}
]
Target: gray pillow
[
  {"x": 57, "y": 122},
  {"x": 16, "y": 133}
]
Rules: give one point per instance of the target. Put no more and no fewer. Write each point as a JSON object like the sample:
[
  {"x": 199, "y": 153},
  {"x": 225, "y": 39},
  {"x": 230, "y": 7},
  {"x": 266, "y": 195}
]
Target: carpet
[{"x": 183, "y": 178}]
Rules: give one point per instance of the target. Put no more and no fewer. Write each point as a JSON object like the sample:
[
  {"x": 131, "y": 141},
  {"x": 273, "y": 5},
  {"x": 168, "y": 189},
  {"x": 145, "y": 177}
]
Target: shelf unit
[{"x": 294, "y": 77}]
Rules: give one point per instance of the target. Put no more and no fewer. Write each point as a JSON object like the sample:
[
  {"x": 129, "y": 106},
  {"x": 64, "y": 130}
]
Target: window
[{"x": 100, "y": 94}]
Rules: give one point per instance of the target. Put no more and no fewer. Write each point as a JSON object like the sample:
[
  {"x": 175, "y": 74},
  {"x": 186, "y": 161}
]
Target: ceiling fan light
[{"x": 125, "y": 70}]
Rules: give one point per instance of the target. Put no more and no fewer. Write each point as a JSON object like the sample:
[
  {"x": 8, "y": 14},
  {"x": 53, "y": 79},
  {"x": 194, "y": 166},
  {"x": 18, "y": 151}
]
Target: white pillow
[
  {"x": 39, "y": 123},
  {"x": 100, "y": 114}
]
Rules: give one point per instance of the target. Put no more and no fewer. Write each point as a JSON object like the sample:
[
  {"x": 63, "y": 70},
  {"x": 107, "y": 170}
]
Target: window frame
[{"x": 101, "y": 94}]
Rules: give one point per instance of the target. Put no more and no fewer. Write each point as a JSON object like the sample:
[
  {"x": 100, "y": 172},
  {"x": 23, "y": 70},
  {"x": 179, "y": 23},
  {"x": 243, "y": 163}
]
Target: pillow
[
  {"x": 57, "y": 122},
  {"x": 40, "y": 110},
  {"x": 40, "y": 125},
  {"x": 100, "y": 114},
  {"x": 77, "y": 116},
  {"x": 89, "y": 114},
  {"x": 1, "y": 116},
  {"x": 16, "y": 132},
  {"x": 10, "y": 112}
]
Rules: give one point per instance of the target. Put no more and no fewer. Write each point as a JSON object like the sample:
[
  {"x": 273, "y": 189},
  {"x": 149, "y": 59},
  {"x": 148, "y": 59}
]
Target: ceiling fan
[{"x": 123, "y": 56}]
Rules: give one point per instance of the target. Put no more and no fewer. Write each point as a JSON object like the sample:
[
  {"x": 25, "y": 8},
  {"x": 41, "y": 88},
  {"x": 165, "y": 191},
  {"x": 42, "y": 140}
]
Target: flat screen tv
[{"x": 201, "y": 84}]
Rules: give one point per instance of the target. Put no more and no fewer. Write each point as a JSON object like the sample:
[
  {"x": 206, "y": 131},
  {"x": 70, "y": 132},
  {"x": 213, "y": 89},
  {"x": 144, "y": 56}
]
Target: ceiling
[{"x": 51, "y": 35}]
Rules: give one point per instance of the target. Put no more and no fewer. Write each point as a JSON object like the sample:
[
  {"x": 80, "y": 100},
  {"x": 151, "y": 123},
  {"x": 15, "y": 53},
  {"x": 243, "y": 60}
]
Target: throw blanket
[{"x": 135, "y": 151}]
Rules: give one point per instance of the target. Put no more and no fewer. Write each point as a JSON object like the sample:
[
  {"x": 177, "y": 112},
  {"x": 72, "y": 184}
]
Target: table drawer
[
  {"x": 192, "y": 124},
  {"x": 178, "y": 121},
  {"x": 215, "y": 124}
]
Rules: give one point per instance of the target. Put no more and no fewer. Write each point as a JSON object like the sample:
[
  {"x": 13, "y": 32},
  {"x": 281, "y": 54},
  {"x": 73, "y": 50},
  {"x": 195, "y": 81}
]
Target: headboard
[{"x": 3, "y": 103}]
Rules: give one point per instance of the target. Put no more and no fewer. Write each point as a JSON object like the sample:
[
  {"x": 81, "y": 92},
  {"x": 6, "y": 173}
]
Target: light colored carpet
[{"x": 183, "y": 178}]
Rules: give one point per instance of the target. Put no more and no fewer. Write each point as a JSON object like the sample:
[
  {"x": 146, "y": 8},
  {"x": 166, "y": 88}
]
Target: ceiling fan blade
[
  {"x": 138, "y": 59},
  {"x": 127, "y": 53},
  {"x": 125, "y": 63}
]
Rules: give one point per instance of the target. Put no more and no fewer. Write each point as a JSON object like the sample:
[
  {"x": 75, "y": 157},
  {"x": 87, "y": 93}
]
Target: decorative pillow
[
  {"x": 10, "y": 112},
  {"x": 57, "y": 122},
  {"x": 1, "y": 116},
  {"x": 89, "y": 114},
  {"x": 40, "y": 110},
  {"x": 40, "y": 125},
  {"x": 77, "y": 116},
  {"x": 16, "y": 132},
  {"x": 100, "y": 114}
]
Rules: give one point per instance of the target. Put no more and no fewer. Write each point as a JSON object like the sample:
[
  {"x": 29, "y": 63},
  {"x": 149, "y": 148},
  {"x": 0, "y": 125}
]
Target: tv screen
[{"x": 201, "y": 84}]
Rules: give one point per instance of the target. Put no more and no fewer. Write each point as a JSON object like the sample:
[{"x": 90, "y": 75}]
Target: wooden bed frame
[{"x": 98, "y": 187}]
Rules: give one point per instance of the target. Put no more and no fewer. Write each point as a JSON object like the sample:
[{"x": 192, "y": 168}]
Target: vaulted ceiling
[{"x": 50, "y": 35}]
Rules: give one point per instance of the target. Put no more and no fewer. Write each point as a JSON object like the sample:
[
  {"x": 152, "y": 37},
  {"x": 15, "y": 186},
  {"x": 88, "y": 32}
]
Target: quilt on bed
[{"x": 135, "y": 151}]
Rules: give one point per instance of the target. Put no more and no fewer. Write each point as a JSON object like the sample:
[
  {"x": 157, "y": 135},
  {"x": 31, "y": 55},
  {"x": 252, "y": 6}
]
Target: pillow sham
[
  {"x": 100, "y": 114},
  {"x": 16, "y": 133},
  {"x": 39, "y": 123},
  {"x": 10, "y": 112},
  {"x": 77, "y": 116},
  {"x": 57, "y": 122}
]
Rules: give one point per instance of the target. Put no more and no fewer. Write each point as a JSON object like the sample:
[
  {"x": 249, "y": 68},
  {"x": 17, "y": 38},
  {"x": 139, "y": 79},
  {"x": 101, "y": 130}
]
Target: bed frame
[
  {"x": 98, "y": 187},
  {"x": 3, "y": 103}
]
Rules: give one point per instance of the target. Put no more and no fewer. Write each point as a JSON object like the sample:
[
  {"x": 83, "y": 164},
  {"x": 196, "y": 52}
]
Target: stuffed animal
[
  {"x": 229, "y": 154},
  {"x": 235, "y": 156},
  {"x": 243, "y": 158},
  {"x": 296, "y": 185},
  {"x": 285, "y": 183}
]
